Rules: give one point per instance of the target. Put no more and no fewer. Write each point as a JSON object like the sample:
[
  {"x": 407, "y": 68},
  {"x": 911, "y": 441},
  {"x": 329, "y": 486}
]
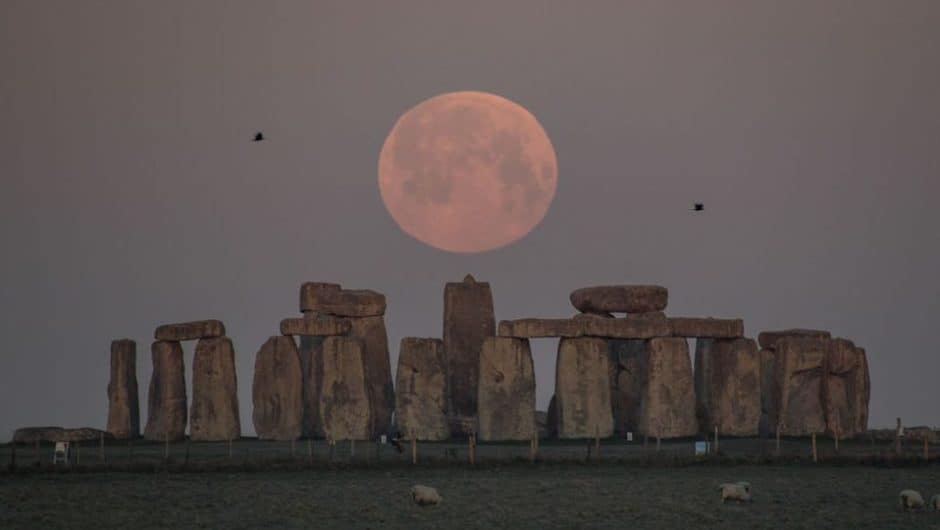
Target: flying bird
[
  {"x": 258, "y": 137},
  {"x": 698, "y": 207}
]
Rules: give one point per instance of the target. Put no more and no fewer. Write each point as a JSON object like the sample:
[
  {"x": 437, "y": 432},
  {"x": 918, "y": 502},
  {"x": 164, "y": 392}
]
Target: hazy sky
[{"x": 131, "y": 196}]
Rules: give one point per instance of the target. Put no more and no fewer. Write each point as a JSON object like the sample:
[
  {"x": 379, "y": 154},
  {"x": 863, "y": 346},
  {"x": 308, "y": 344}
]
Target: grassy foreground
[{"x": 507, "y": 496}]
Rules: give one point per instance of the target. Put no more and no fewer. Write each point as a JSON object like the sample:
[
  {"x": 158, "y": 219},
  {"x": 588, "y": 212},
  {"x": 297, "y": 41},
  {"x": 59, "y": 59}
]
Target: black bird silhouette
[
  {"x": 698, "y": 207},
  {"x": 258, "y": 137}
]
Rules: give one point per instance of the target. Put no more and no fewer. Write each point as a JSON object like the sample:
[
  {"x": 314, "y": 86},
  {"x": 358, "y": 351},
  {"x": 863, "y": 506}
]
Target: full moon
[{"x": 467, "y": 172}]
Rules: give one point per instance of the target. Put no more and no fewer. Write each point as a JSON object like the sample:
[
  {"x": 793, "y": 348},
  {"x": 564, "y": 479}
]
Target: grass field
[{"x": 598, "y": 495}]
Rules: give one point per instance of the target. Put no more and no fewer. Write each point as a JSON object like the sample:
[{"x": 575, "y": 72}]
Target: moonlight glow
[{"x": 467, "y": 172}]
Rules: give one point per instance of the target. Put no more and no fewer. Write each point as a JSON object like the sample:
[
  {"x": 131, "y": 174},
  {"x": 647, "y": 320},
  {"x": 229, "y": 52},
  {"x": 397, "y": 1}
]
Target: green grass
[{"x": 599, "y": 495}]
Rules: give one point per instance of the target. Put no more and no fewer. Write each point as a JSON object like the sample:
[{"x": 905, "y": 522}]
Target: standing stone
[
  {"x": 668, "y": 409},
  {"x": 769, "y": 392},
  {"x": 214, "y": 412},
  {"x": 166, "y": 410},
  {"x": 468, "y": 321},
  {"x": 801, "y": 371},
  {"x": 311, "y": 355},
  {"x": 620, "y": 299},
  {"x": 123, "y": 407},
  {"x": 378, "y": 370},
  {"x": 344, "y": 391},
  {"x": 421, "y": 390},
  {"x": 863, "y": 394},
  {"x": 582, "y": 389},
  {"x": 628, "y": 368},
  {"x": 844, "y": 386},
  {"x": 506, "y": 396},
  {"x": 728, "y": 386},
  {"x": 551, "y": 418},
  {"x": 276, "y": 391}
]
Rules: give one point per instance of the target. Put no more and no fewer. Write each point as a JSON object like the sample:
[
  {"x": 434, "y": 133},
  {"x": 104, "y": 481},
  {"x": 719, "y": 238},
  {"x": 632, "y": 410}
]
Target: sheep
[
  {"x": 425, "y": 495},
  {"x": 910, "y": 500},
  {"x": 934, "y": 504},
  {"x": 738, "y": 491}
]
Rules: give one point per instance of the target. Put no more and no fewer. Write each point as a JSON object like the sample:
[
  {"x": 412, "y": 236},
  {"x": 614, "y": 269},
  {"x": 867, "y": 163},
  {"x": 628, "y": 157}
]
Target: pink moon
[{"x": 467, "y": 172}]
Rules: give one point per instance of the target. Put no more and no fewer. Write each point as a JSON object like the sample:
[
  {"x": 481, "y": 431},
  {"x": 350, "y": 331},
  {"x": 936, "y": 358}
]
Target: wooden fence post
[
  {"x": 814, "y": 448},
  {"x": 716, "y": 439},
  {"x": 471, "y": 453},
  {"x": 658, "y": 439},
  {"x": 166, "y": 445},
  {"x": 310, "y": 450},
  {"x": 778, "y": 443},
  {"x": 414, "y": 450}
]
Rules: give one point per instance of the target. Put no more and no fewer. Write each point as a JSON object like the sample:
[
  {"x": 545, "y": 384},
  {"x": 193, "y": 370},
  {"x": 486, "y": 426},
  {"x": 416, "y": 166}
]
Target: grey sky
[{"x": 130, "y": 194}]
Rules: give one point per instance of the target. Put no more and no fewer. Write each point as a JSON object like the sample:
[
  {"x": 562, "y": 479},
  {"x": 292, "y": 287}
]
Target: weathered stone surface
[
  {"x": 214, "y": 412},
  {"x": 728, "y": 386},
  {"x": 801, "y": 371},
  {"x": 344, "y": 393},
  {"x": 769, "y": 392},
  {"x": 123, "y": 406},
  {"x": 315, "y": 324},
  {"x": 506, "y": 396},
  {"x": 311, "y": 354},
  {"x": 421, "y": 390},
  {"x": 620, "y": 299},
  {"x": 331, "y": 299},
  {"x": 277, "y": 390},
  {"x": 846, "y": 401},
  {"x": 628, "y": 369},
  {"x": 468, "y": 320},
  {"x": 668, "y": 409},
  {"x": 637, "y": 326},
  {"x": 767, "y": 339},
  {"x": 526, "y": 328},
  {"x": 551, "y": 419},
  {"x": 200, "y": 329},
  {"x": 863, "y": 395},
  {"x": 378, "y": 370},
  {"x": 582, "y": 389},
  {"x": 28, "y": 435},
  {"x": 715, "y": 328},
  {"x": 166, "y": 403}
]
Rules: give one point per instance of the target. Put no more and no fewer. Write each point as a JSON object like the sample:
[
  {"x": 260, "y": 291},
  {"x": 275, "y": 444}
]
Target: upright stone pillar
[
  {"x": 728, "y": 386},
  {"x": 669, "y": 400},
  {"x": 276, "y": 390},
  {"x": 166, "y": 410},
  {"x": 628, "y": 359},
  {"x": 468, "y": 321},
  {"x": 421, "y": 390},
  {"x": 802, "y": 366},
  {"x": 123, "y": 406},
  {"x": 214, "y": 415},
  {"x": 582, "y": 389},
  {"x": 506, "y": 395},
  {"x": 311, "y": 353},
  {"x": 344, "y": 392}
]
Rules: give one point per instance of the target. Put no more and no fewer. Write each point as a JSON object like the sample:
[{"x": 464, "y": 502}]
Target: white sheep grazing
[
  {"x": 934, "y": 504},
  {"x": 425, "y": 495},
  {"x": 910, "y": 500},
  {"x": 738, "y": 491}
]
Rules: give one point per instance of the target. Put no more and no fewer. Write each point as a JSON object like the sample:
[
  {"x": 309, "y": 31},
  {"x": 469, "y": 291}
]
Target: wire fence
[{"x": 254, "y": 454}]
